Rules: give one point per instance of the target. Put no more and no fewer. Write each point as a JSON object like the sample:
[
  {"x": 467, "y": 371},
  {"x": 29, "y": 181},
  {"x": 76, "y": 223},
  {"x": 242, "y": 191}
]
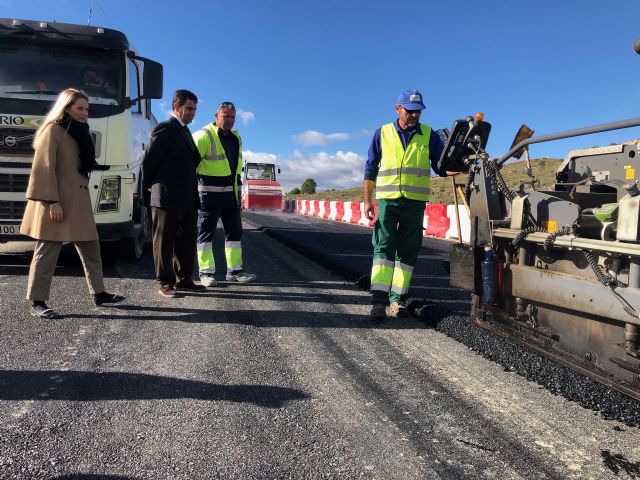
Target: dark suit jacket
[{"x": 169, "y": 168}]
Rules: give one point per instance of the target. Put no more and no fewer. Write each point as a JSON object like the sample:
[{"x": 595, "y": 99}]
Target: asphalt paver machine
[{"x": 556, "y": 270}]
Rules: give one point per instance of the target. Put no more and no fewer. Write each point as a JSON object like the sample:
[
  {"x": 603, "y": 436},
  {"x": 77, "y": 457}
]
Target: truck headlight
[{"x": 109, "y": 198}]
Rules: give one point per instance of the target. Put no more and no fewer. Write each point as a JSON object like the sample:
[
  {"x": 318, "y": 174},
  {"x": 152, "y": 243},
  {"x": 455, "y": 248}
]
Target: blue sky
[{"x": 313, "y": 79}]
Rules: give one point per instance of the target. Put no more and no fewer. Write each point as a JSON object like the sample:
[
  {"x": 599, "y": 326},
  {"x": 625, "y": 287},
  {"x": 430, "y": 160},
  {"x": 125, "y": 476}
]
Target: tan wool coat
[{"x": 55, "y": 178}]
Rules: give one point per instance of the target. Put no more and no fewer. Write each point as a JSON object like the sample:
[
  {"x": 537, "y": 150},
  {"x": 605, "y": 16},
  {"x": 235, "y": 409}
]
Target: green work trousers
[{"x": 397, "y": 239}]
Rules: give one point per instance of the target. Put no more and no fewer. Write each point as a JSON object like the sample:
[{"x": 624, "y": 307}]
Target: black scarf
[{"x": 79, "y": 131}]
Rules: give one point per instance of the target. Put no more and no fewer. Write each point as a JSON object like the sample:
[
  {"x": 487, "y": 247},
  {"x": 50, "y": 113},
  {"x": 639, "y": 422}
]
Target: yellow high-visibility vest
[
  {"x": 404, "y": 172},
  {"x": 214, "y": 161}
]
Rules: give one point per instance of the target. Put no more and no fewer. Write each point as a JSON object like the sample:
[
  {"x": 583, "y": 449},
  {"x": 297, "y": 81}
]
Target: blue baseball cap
[{"x": 411, "y": 100}]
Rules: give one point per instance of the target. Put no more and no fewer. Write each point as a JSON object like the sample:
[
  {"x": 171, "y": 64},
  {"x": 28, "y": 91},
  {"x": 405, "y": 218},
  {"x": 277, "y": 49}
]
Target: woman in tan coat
[{"x": 59, "y": 206}]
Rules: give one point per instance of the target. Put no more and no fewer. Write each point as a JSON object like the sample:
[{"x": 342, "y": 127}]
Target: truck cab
[{"x": 39, "y": 60}]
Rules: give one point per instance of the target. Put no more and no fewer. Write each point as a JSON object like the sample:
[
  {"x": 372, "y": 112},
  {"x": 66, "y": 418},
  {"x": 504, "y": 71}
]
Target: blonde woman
[{"x": 59, "y": 207}]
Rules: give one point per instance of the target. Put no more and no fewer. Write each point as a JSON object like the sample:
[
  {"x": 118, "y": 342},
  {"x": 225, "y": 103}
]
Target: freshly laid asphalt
[
  {"x": 346, "y": 250},
  {"x": 285, "y": 378}
]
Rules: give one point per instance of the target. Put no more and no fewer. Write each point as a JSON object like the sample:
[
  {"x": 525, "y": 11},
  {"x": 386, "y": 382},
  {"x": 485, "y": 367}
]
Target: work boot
[
  {"x": 378, "y": 312},
  {"x": 241, "y": 277},
  {"x": 208, "y": 280},
  {"x": 398, "y": 309}
]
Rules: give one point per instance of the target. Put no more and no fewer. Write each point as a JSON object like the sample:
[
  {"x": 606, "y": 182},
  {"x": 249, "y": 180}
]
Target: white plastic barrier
[
  {"x": 347, "y": 212},
  {"x": 465, "y": 223},
  {"x": 320, "y": 210}
]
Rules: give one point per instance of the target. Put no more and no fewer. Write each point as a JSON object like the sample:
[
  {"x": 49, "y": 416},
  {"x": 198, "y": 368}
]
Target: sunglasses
[{"x": 226, "y": 105}]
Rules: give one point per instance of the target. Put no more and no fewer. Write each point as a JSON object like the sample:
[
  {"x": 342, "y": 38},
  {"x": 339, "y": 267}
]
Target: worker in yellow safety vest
[
  {"x": 398, "y": 169},
  {"x": 218, "y": 173}
]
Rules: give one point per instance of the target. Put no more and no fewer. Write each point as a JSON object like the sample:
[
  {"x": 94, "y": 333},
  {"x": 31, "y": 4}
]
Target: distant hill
[{"x": 544, "y": 170}]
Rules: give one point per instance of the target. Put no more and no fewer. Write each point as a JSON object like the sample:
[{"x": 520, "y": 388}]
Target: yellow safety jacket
[
  {"x": 404, "y": 173},
  {"x": 214, "y": 170}
]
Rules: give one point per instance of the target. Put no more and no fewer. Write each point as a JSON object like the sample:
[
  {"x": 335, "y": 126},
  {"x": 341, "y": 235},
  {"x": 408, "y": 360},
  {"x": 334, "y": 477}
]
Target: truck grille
[
  {"x": 12, "y": 210},
  {"x": 16, "y": 141},
  {"x": 12, "y": 182}
]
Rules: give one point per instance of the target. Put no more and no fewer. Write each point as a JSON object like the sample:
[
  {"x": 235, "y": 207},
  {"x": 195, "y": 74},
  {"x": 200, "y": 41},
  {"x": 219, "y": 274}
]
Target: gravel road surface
[{"x": 284, "y": 378}]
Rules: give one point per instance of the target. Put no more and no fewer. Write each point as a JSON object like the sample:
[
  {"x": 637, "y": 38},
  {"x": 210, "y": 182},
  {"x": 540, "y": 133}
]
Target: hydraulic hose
[
  {"x": 609, "y": 282},
  {"x": 564, "y": 230},
  {"x": 494, "y": 171},
  {"x": 603, "y": 278},
  {"x": 467, "y": 187},
  {"x": 525, "y": 232}
]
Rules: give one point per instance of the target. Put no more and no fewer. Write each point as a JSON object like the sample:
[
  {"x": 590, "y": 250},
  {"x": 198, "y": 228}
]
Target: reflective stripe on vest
[
  {"x": 212, "y": 155},
  {"x": 208, "y": 188},
  {"x": 404, "y": 172}
]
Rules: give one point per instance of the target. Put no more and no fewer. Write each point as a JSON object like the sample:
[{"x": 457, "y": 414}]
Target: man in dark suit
[{"x": 169, "y": 173}]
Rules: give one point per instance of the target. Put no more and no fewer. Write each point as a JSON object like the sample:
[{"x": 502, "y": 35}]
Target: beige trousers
[{"x": 43, "y": 264}]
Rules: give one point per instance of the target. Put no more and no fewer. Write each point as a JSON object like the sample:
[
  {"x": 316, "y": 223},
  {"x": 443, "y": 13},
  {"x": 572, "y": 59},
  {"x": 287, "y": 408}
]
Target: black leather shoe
[
  {"x": 190, "y": 285},
  {"x": 167, "y": 291},
  {"x": 40, "y": 309},
  {"x": 104, "y": 297}
]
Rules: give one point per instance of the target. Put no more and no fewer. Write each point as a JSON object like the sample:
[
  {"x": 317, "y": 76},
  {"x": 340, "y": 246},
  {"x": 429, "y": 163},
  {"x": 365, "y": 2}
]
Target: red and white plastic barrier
[
  {"x": 438, "y": 223},
  {"x": 439, "y": 218}
]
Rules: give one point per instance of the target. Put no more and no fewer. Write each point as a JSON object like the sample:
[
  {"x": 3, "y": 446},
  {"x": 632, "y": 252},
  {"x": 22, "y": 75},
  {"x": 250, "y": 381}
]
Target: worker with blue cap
[{"x": 398, "y": 169}]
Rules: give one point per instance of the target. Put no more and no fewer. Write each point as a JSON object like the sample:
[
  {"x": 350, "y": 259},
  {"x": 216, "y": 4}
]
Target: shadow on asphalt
[
  {"x": 83, "y": 476},
  {"x": 324, "y": 298},
  {"x": 260, "y": 319},
  {"x": 92, "y": 386}
]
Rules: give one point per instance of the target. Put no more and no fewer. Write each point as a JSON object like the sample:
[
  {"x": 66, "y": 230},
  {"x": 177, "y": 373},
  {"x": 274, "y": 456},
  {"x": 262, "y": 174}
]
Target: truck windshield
[
  {"x": 260, "y": 172},
  {"x": 32, "y": 75}
]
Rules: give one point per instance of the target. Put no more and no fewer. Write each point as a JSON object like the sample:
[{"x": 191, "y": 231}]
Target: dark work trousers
[
  {"x": 174, "y": 244},
  {"x": 208, "y": 222}
]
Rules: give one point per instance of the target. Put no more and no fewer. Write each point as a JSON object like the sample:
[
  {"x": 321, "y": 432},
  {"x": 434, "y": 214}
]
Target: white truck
[{"x": 39, "y": 59}]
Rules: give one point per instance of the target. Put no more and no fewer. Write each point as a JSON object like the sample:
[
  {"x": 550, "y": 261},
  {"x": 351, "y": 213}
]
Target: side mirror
[{"x": 151, "y": 78}]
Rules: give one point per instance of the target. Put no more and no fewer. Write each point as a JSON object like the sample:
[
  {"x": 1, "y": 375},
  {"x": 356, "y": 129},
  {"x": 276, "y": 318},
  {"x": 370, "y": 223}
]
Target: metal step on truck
[{"x": 39, "y": 59}]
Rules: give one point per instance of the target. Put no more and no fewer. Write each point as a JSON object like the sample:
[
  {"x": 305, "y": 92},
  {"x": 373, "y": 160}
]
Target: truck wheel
[{"x": 132, "y": 248}]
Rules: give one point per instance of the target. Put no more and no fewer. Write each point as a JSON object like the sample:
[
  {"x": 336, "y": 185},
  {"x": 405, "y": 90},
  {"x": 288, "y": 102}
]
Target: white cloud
[
  {"x": 340, "y": 170},
  {"x": 245, "y": 117},
  {"x": 259, "y": 157},
  {"x": 313, "y": 137},
  {"x": 165, "y": 107}
]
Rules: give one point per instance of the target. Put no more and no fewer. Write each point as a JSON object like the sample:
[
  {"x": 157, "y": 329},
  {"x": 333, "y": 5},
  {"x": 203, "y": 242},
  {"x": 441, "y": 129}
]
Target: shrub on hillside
[{"x": 308, "y": 186}]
